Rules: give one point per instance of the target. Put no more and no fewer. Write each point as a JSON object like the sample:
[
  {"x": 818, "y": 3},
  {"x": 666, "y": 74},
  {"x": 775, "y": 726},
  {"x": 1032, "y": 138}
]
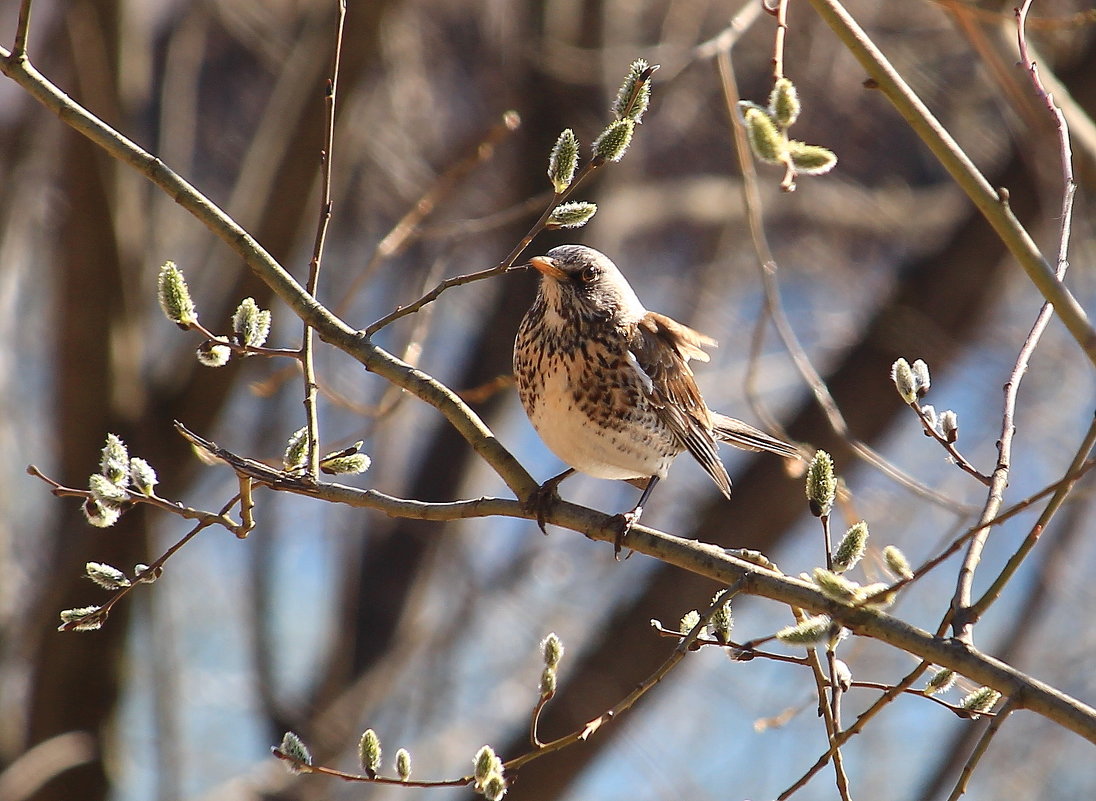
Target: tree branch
[{"x": 993, "y": 204}]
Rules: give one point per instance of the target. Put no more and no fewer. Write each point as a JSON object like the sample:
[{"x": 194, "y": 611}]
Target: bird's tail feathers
[{"x": 745, "y": 436}]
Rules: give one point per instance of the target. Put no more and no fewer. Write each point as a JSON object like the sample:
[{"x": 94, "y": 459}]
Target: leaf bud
[
  {"x": 174, "y": 296},
  {"x": 821, "y": 484},
  {"x": 784, "y": 102},
  {"x": 612, "y": 143},
  {"x": 106, "y": 576},
  {"x": 810, "y": 159},
  {"x": 574, "y": 214},
  {"x": 369, "y": 752},
  {"x": 634, "y": 94},
  {"x": 767, "y": 141},
  {"x": 251, "y": 324},
  {"x": 904, "y": 380},
  {"x": 852, "y": 547},
  {"x": 563, "y": 161},
  {"x": 897, "y": 562},
  {"x": 294, "y": 748},
  {"x": 403, "y": 764}
]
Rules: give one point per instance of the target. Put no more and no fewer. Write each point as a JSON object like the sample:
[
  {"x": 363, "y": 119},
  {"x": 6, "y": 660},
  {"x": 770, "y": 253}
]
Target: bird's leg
[
  {"x": 544, "y": 496},
  {"x": 629, "y": 519}
]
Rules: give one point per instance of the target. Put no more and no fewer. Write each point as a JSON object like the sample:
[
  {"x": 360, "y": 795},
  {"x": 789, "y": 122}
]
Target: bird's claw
[
  {"x": 540, "y": 501},
  {"x": 625, "y": 520}
]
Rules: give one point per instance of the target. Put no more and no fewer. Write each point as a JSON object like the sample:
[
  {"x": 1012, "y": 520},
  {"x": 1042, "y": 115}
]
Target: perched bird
[{"x": 607, "y": 384}]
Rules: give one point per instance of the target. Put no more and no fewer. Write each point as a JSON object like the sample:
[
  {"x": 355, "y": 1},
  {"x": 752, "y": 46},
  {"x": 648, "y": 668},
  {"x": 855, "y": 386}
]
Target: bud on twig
[
  {"x": 552, "y": 648},
  {"x": 921, "y": 376},
  {"x": 251, "y": 324},
  {"x": 612, "y": 143},
  {"x": 835, "y": 587},
  {"x": 296, "y": 450},
  {"x": 294, "y": 748},
  {"x": 981, "y": 700},
  {"x": 403, "y": 764},
  {"x": 821, "y": 484},
  {"x": 722, "y": 622},
  {"x": 941, "y": 681},
  {"x": 766, "y": 139},
  {"x": 213, "y": 354},
  {"x": 83, "y": 618},
  {"x": 563, "y": 161},
  {"x": 634, "y": 94},
  {"x": 574, "y": 214},
  {"x": 141, "y": 476},
  {"x": 897, "y": 562},
  {"x": 369, "y": 752},
  {"x": 949, "y": 425},
  {"x": 852, "y": 547},
  {"x": 348, "y": 465},
  {"x": 114, "y": 461},
  {"x": 810, "y": 159},
  {"x": 174, "y": 296},
  {"x": 488, "y": 774},
  {"x": 811, "y": 631},
  {"x": 784, "y": 102},
  {"x": 106, "y": 576},
  {"x": 904, "y": 380}
]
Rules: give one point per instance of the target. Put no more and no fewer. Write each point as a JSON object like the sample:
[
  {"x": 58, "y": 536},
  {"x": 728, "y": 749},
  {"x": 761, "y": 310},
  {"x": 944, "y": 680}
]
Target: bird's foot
[
  {"x": 543, "y": 498},
  {"x": 625, "y": 521},
  {"x": 540, "y": 501}
]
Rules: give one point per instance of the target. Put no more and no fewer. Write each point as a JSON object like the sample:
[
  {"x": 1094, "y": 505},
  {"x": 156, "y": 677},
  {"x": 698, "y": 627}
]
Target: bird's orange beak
[{"x": 547, "y": 266}]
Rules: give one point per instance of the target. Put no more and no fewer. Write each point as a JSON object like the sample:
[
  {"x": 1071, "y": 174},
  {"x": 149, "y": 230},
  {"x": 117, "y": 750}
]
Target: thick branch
[{"x": 717, "y": 564}]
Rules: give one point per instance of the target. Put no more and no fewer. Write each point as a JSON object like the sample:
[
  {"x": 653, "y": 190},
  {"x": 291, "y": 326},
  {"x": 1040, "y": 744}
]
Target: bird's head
[{"x": 580, "y": 283}]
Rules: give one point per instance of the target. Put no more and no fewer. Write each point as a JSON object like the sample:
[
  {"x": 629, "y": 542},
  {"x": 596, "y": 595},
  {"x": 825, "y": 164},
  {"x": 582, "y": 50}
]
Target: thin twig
[
  {"x": 308, "y": 363},
  {"x": 239, "y": 347},
  {"x": 993, "y": 592},
  {"x": 781, "y": 34},
  {"x": 1071, "y": 477},
  {"x": 507, "y": 263},
  {"x": 980, "y": 750},
  {"x": 856, "y": 727},
  {"x": 247, "y": 508},
  {"x": 679, "y": 652},
  {"x": 742, "y": 652},
  {"x": 304, "y": 767},
  {"x": 534, "y": 720},
  {"x": 964, "y": 614},
  {"x": 503, "y": 266},
  {"x": 408, "y": 226},
  {"x": 152, "y": 499},
  {"x": 829, "y": 712},
  {"x": 22, "y": 30},
  {"x": 153, "y": 570},
  {"x": 961, "y": 461},
  {"x": 725, "y": 40}
]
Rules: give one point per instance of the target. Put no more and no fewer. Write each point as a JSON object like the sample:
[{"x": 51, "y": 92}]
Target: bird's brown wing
[{"x": 662, "y": 348}]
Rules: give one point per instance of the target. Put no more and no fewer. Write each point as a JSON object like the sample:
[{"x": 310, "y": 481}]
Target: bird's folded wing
[{"x": 661, "y": 349}]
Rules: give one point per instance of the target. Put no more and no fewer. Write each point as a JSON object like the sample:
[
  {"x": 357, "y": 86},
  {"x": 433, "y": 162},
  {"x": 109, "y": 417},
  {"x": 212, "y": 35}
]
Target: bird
[{"x": 608, "y": 387}]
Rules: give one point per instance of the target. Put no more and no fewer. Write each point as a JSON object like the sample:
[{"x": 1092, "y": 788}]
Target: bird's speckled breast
[{"x": 587, "y": 400}]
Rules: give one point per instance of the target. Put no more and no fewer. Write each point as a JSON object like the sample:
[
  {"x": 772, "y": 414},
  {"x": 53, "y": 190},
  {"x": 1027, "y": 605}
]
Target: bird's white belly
[{"x": 615, "y": 452}]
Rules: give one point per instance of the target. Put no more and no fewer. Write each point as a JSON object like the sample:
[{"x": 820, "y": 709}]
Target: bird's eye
[{"x": 588, "y": 274}]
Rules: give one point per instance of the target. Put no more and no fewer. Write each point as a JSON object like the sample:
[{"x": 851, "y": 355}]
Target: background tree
[{"x": 329, "y": 620}]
